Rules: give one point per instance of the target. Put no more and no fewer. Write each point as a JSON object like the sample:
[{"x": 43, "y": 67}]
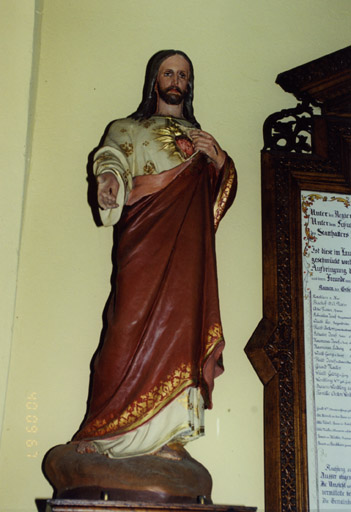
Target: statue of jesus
[{"x": 165, "y": 184}]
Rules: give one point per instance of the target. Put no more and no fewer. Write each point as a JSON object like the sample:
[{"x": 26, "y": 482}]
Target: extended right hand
[{"x": 107, "y": 190}]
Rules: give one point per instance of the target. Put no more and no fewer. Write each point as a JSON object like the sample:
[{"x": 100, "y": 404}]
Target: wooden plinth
[{"x": 120, "y": 506}]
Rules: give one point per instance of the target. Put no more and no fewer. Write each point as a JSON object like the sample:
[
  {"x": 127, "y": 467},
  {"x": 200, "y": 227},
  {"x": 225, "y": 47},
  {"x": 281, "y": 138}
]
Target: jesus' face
[{"x": 172, "y": 79}]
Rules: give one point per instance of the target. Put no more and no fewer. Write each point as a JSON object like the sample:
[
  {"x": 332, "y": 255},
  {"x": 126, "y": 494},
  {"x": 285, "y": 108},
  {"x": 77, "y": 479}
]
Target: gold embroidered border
[
  {"x": 144, "y": 407},
  {"x": 214, "y": 336},
  {"x": 223, "y": 194}
]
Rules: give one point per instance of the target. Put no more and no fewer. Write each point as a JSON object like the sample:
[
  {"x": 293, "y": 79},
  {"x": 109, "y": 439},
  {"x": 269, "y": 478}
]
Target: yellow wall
[
  {"x": 16, "y": 43},
  {"x": 91, "y": 69}
]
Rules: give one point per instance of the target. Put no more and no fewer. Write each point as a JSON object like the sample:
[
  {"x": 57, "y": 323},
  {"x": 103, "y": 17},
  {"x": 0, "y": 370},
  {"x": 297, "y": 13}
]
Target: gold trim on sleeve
[{"x": 228, "y": 181}]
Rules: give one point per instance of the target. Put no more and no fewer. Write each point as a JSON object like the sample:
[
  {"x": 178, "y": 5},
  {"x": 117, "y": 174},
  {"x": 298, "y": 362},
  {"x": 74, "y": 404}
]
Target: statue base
[
  {"x": 119, "y": 506},
  {"x": 148, "y": 478}
]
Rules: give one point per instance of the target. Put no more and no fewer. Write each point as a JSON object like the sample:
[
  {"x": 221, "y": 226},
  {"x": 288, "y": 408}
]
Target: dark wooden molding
[{"x": 325, "y": 81}]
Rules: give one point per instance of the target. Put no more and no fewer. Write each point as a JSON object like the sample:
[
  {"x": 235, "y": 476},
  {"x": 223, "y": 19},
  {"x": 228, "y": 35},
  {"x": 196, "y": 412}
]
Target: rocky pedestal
[{"x": 149, "y": 478}]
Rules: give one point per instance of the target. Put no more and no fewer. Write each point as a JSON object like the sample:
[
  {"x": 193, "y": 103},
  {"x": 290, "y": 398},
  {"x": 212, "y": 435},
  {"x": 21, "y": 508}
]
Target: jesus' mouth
[{"x": 174, "y": 89}]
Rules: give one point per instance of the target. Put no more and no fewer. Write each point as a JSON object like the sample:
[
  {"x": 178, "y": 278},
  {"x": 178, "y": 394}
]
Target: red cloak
[{"x": 163, "y": 331}]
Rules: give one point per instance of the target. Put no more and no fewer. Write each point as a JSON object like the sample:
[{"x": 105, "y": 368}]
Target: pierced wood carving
[{"x": 289, "y": 130}]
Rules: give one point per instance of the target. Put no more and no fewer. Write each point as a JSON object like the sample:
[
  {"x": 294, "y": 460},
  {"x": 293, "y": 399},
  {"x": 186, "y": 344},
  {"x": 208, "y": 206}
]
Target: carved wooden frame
[{"x": 302, "y": 151}]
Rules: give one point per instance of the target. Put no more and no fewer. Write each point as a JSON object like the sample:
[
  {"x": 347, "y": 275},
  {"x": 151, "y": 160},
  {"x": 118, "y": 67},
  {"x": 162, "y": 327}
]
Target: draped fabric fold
[{"x": 163, "y": 331}]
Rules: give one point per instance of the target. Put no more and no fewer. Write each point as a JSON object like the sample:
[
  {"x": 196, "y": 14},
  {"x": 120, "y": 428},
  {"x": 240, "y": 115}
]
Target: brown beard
[{"x": 169, "y": 97}]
